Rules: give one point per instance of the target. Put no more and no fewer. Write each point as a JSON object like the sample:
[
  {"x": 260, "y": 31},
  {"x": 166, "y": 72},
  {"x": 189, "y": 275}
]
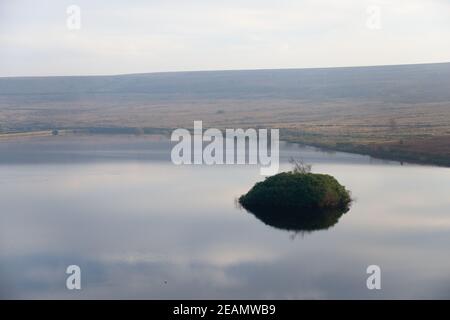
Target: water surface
[{"x": 140, "y": 227}]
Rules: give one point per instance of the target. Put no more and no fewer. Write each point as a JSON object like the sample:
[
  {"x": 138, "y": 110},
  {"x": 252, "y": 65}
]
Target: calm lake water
[{"x": 141, "y": 227}]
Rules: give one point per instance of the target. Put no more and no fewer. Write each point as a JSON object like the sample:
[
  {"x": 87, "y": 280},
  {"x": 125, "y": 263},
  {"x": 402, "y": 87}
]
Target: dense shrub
[{"x": 296, "y": 191}]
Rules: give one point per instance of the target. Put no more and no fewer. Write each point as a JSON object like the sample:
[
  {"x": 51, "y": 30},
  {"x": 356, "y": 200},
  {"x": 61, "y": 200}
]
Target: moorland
[{"x": 392, "y": 112}]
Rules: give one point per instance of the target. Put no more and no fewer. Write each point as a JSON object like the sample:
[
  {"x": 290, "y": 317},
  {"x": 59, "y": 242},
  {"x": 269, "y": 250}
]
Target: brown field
[{"x": 400, "y": 112}]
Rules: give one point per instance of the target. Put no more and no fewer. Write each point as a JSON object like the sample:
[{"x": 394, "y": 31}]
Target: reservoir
[{"x": 139, "y": 226}]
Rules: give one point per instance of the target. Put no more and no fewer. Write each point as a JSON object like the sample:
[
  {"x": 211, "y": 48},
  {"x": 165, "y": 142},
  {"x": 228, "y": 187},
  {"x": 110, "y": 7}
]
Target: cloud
[{"x": 146, "y": 36}]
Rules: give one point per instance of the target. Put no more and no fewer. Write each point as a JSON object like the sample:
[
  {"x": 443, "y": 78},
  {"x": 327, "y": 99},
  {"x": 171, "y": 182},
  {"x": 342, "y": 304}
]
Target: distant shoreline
[
  {"x": 382, "y": 151},
  {"x": 398, "y": 113}
]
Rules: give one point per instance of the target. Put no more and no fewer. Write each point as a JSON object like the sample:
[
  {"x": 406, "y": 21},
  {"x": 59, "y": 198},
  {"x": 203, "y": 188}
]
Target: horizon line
[{"x": 226, "y": 70}]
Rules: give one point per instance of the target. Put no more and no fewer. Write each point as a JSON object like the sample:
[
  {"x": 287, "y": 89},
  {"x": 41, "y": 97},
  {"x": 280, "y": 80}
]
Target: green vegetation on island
[{"x": 298, "y": 200}]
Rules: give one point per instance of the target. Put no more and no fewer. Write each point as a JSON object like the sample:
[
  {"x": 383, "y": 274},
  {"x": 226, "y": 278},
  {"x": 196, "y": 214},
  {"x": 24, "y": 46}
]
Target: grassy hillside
[{"x": 400, "y": 112}]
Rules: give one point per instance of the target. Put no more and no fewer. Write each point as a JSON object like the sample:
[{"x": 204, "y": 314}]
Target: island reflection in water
[{"x": 305, "y": 221}]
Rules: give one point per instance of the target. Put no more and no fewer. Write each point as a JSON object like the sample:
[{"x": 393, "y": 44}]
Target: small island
[{"x": 298, "y": 200}]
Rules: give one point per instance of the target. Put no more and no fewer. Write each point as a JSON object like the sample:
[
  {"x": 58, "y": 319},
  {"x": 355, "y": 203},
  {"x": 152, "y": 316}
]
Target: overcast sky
[{"x": 137, "y": 36}]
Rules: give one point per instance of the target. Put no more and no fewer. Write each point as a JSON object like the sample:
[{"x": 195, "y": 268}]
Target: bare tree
[{"x": 300, "y": 166}]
